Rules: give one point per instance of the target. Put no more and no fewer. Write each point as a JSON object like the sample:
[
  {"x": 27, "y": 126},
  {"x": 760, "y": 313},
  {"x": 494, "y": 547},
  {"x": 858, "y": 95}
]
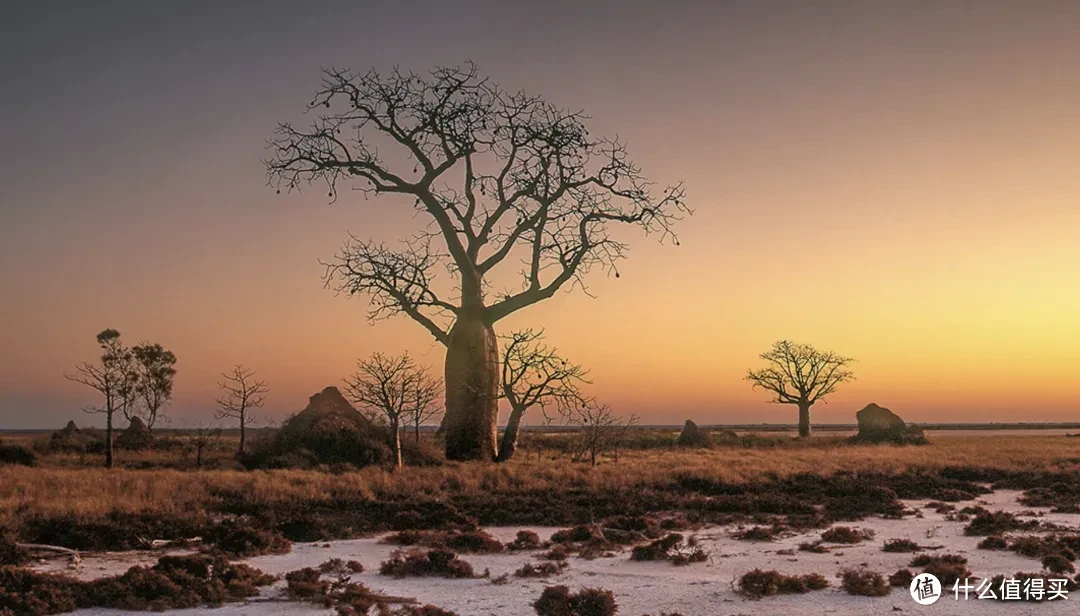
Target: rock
[
  {"x": 330, "y": 431},
  {"x": 693, "y": 436},
  {"x": 72, "y": 439},
  {"x": 878, "y": 424},
  {"x": 135, "y": 436}
]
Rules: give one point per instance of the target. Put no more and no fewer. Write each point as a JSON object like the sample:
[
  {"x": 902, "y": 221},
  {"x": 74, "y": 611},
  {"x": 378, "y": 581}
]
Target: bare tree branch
[{"x": 241, "y": 393}]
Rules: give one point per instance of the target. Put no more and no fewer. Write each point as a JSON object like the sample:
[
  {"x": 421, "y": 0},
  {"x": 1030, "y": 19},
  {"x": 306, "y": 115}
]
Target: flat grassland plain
[{"x": 665, "y": 530}]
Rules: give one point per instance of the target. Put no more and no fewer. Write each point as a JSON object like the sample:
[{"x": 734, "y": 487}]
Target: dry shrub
[
  {"x": 900, "y": 545},
  {"x": 242, "y": 539},
  {"x": 348, "y": 598},
  {"x": 863, "y": 583},
  {"x": 421, "y": 610},
  {"x": 174, "y": 582},
  {"x": 558, "y": 552},
  {"x": 1057, "y": 563},
  {"x": 814, "y": 547},
  {"x": 757, "y": 583},
  {"x": 757, "y": 533},
  {"x": 902, "y": 578},
  {"x": 940, "y": 507},
  {"x": 1038, "y": 547},
  {"x": 996, "y": 581},
  {"x": 673, "y": 548},
  {"x": 947, "y": 568},
  {"x": 559, "y": 601},
  {"x": 529, "y": 570},
  {"x": 846, "y": 534},
  {"x": 10, "y": 552},
  {"x": 996, "y": 523},
  {"x": 11, "y": 453},
  {"x": 471, "y": 541},
  {"x": 993, "y": 542},
  {"x": 414, "y": 562},
  {"x": 525, "y": 540}
]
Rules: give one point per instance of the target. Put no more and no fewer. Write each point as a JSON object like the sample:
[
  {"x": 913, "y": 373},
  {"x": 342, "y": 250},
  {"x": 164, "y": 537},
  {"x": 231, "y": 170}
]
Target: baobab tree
[
  {"x": 534, "y": 374},
  {"x": 385, "y": 388},
  {"x": 505, "y": 179},
  {"x": 241, "y": 394},
  {"x": 114, "y": 377},
  {"x": 800, "y": 374}
]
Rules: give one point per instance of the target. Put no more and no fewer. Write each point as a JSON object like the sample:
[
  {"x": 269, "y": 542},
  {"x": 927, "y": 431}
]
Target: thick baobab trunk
[
  {"x": 510, "y": 435},
  {"x": 472, "y": 394},
  {"x": 804, "y": 419}
]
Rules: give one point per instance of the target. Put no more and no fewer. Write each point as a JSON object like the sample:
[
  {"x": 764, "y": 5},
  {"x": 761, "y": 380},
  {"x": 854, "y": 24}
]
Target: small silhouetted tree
[
  {"x": 114, "y": 377},
  {"x": 384, "y": 387},
  {"x": 800, "y": 374},
  {"x": 199, "y": 438},
  {"x": 241, "y": 394},
  {"x": 534, "y": 374},
  {"x": 423, "y": 400},
  {"x": 155, "y": 367},
  {"x": 600, "y": 430},
  {"x": 502, "y": 177}
]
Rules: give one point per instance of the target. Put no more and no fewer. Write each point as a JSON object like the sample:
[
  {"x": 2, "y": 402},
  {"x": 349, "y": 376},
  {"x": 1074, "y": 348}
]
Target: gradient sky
[{"x": 894, "y": 181}]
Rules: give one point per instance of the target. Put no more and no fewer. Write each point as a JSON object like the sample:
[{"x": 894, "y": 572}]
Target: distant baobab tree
[
  {"x": 800, "y": 374},
  {"x": 241, "y": 394},
  {"x": 504, "y": 178},
  {"x": 535, "y": 374},
  {"x": 386, "y": 388},
  {"x": 114, "y": 377}
]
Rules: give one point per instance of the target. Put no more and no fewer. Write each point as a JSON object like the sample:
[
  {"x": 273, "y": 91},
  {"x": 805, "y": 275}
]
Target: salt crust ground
[{"x": 647, "y": 587}]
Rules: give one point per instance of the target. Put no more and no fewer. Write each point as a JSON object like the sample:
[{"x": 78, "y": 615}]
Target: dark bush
[
  {"x": 243, "y": 539},
  {"x": 757, "y": 583},
  {"x": 757, "y": 533},
  {"x": 814, "y": 547},
  {"x": 993, "y": 542},
  {"x": 415, "y": 562},
  {"x": 473, "y": 541},
  {"x": 16, "y": 454},
  {"x": 948, "y": 568},
  {"x": 525, "y": 540},
  {"x": 1056, "y": 563},
  {"x": 559, "y": 601},
  {"x": 863, "y": 583},
  {"x": 996, "y": 523},
  {"x": 846, "y": 534},
  {"x": 902, "y": 578},
  {"x": 900, "y": 545},
  {"x": 539, "y": 570}
]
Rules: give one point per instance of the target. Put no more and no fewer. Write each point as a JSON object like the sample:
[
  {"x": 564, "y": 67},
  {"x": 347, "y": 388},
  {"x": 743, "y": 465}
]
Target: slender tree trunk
[
  {"x": 417, "y": 432},
  {"x": 510, "y": 435},
  {"x": 198, "y": 456},
  {"x": 243, "y": 431},
  {"x": 804, "y": 419},
  {"x": 108, "y": 439},
  {"x": 395, "y": 427},
  {"x": 472, "y": 389}
]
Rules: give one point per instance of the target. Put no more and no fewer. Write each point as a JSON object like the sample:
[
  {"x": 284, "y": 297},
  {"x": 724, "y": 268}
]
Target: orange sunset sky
[{"x": 898, "y": 182}]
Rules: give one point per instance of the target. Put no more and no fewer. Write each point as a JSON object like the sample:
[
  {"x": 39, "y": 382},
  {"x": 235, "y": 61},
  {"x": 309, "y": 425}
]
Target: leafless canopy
[
  {"x": 392, "y": 391},
  {"x": 498, "y": 173},
  {"x": 533, "y": 373},
  {"x": 601, "y": 430},
  {"x": 800, "y": 374},
  {"x": 240, "y": 392}
]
